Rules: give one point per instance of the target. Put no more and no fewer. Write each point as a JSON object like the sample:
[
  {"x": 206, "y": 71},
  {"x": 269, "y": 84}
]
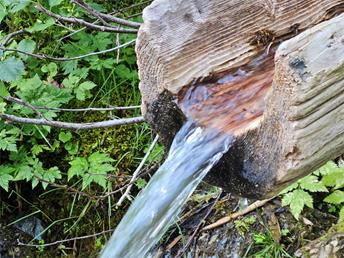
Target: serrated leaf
[
  {"x": 336, "y": 197},
  {"x": 297, "y": 200},
  {"x": 312, "y": 184},
  {"x": 83, "y": 90},
  {"x": 11, "y": 69},
  {"x": 65, "y": 137},
  {"x": 51, "y": 175},
  {"x": 3, "y": 90},
  {"x": 328, "y": 168},
  {"x": 98, "y": 158},
  {"x": 5, "y": 176},
  {"x": 23, "y": 172},
  {"x": 289, "y": 188},
  {"x": 26, "y": 45},
  {"x": 78, "y": 167}
]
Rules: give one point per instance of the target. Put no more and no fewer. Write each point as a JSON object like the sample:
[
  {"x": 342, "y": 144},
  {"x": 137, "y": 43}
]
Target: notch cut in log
[{"x": 283, "y": 131}]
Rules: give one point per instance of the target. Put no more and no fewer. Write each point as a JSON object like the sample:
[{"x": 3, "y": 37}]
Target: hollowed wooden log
[{"x": 215, "y": 62}]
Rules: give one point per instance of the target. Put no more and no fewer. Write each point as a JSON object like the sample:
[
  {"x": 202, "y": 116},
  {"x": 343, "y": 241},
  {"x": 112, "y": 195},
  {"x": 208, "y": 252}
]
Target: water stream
[
  {"x": 193, "y": 153},
  {"x": 223, "y": 107}
]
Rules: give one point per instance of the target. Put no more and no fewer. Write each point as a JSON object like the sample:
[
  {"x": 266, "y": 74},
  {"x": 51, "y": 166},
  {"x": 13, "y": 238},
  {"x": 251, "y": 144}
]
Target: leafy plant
[{"x": 329, "y": 178}]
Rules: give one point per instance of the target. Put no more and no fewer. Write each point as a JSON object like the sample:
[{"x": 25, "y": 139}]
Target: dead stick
[{"x": 235, "y": 215}]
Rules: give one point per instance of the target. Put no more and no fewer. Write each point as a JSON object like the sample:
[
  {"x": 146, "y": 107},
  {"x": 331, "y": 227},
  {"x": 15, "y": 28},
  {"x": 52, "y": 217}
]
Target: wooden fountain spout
[{"x": 270, "y": 72}]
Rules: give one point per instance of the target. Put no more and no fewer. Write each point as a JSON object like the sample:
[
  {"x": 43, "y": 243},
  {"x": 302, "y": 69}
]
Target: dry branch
[
  {"x": 36, "y": 108},
  {"x": 108, "y": 17},
  {"x": 235, "y": 215},
  {"x": 66, "y": 240},
  {"x": 74, "y": 20},
  {"x": 137, "y": 171},
  {"x": 66, "y": 59},
  {"x": 72, "y": 126}
]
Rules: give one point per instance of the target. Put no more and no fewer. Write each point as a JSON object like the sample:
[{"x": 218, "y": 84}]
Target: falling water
[
  {"x": 221, "y": 107},
  {"x": 193, "y": 153}
]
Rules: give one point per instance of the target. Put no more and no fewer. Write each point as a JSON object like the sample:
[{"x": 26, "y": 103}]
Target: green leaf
[
  {"x": 328, "y": 168},
  {"x": 341, "y": 214},
  {"x": 289, "y": 188},
  {"x": 297, "y": 201},
  {"x": 3, "y": 90},
  {"x": 72, "y": 148},
  {"x": 26, "y": 45},
  {"x": 51, "y": 175},
  {"x": 23, "y": 172},
  {"x": 65, "y": 137},
  {"x": 3, "y": 12},
  {"x": 5, "y": 176},
  {"x": 54, "y": 2},
  {"x": 336, "y": 197},
  {"x": 78, "y": 167},
  {"x": 83, "y": 90},
  {"x": 141, "y": 183},
  {"x": 39, "y": 25},
  {"x": 51, "y": 69},
  {"x": 312, "y": 184},
  {"x": 11, "y": 68},
  {"x": 16, "y": 5}
]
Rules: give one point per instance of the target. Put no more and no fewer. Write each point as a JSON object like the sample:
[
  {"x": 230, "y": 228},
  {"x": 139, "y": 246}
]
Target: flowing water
[
  {"x": 193, "y": 153},
  {"x": 223, "y": 107}
]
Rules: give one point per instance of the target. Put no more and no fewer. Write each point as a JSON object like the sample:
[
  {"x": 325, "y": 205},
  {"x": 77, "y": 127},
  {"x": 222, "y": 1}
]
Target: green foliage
[
  {"x": 244, "y": 224},
  {"x": 11, "y": 68},
  {"x": 52, "y": 160},
  {"x": 329, "y": 178},
  {"x": 93, "y": 169},
  {"x": 268, "y": 247}
]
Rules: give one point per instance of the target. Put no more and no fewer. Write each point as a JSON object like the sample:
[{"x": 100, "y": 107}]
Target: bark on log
[{"x": 297, "y": 129}]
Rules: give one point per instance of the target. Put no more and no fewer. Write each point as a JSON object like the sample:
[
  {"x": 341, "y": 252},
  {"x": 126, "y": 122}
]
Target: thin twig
[
  {"x": 65, "y": 59},
  {"x": 82, "y": 22},
  {"x": 137, "y": 171},
  {"x": 202, "y": 221},
  {"x": 128, "y": 184},
  {"x": 235, "y": 215},
  {"x": 66, "y": 187},
  {"x": 6, "y": 40},
  {"x": 107, "y": 17},
  {"x": 24, "y": 103},
  {"x": 73, "y": 126},
  {"x": 66, "y": 240}
]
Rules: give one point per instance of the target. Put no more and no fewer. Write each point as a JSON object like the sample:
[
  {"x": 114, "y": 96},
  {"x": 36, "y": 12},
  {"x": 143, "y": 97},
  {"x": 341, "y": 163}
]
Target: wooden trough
[{"x": 271, "y": 72}]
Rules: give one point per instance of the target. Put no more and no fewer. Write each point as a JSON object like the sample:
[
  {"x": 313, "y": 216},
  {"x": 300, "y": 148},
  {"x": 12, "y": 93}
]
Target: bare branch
[
  {"x": 66, "y": 187},
  {"x": 137, "y": 171},
  {"x": 66, "y": 240},
  {"x": 73, "y": 126},
  {"x": 107, "y": 17},
  {"x": 36, "y": 108},
  {"x": 65, "y": 59},
  {"x": 82, "y": 22},
  {"x": 6, "y": 40},
  {"x": 235, "y": 215},
  {"x": 25, "y": 104}
]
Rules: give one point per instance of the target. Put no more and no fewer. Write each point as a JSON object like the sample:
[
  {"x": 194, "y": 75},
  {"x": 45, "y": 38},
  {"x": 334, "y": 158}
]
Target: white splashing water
[{"x": 193, "y": 153}]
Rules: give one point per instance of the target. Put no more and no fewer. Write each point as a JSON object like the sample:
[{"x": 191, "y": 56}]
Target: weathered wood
[{"x": 299, "y": 127}]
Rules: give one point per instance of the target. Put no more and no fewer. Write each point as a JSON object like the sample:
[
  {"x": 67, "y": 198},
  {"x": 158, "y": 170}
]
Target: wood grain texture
[
  {"x": 306, "y": 105},
  {"x": 181, "y": 40},
  {"x": 301, "y": 127}
]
